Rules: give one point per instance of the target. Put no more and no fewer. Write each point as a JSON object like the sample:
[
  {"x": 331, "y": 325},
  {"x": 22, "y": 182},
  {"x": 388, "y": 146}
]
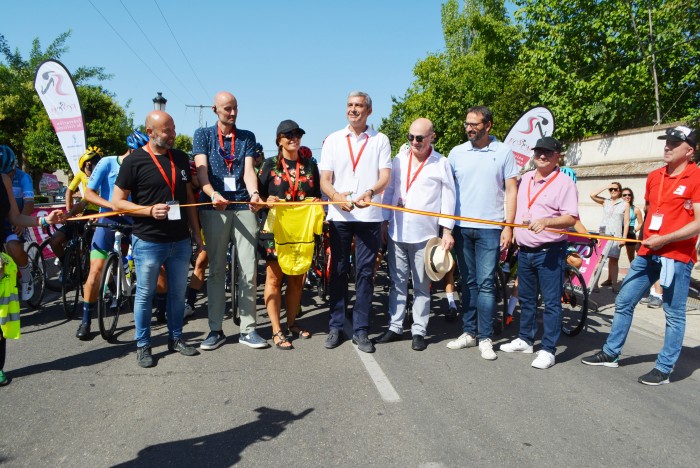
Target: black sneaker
[
  {"x": 144, "y": 357},
  {"x": 389, "y": 336},
  {"x": 333, "y": 339},
  {"x": 182, "y": 347},
  {"x": 655, "y": 377},
  {"x": 600, "y": 359},
  {"x": 418, "y": 343},
  {"x": 83, "y": 332},
  {"x": 363, "y": 343}
]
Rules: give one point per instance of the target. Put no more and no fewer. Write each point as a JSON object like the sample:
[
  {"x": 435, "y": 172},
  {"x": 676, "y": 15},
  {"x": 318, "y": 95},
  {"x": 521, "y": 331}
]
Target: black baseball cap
[
  {"x": 680, "y": 133},
  {"x": 288, "y": 126},
  {"x": 549, "y": 144}
]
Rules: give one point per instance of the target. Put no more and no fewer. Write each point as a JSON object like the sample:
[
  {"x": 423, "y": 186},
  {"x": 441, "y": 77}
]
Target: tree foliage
[
  {"x": 183, "y": 143},
  {"x": 24, "y": 124},
  {"x": 589, "y": 61}
]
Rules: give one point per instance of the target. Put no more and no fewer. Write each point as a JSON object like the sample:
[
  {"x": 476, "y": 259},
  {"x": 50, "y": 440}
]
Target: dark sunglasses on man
[{"x": 418, "y": 138}]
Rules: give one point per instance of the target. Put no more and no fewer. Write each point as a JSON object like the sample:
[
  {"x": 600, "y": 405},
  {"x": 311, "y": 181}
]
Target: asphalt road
[{"x": 74, "y": 403}]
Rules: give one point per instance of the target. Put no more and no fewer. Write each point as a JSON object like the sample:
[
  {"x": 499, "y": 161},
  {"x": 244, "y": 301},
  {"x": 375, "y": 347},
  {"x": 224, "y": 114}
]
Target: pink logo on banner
[
  {"x": 534, "y": 124},
  {"x": 71, "y": 124},
  {"x": 55, "y": 80}
]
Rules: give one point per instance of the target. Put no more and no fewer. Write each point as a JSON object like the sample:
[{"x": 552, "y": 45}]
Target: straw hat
[{"x": 438, "y": 261}]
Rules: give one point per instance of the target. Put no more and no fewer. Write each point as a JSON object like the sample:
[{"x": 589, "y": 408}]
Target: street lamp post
[{"x": 159, "y": 102}]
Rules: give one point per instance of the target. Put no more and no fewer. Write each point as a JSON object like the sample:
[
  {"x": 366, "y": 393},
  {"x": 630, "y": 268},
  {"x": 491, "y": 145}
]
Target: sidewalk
[{"x": 650, "y": 321}]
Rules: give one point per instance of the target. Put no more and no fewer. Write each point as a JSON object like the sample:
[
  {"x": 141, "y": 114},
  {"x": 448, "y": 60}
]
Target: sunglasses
[
  {"x": 418, "y": 138},
  {"x": 545, "y": 153},
  {"x": 472, "y": 125},
  {"x": 627, "y": 195},
  {"x": 614, "y": 190},
  {"x": 292, "y": 134}
]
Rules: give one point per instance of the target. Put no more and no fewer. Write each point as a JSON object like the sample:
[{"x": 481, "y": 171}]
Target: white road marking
[{"x": 381, "y": 381}]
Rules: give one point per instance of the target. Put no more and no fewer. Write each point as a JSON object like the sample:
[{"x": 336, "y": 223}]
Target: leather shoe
[
  {"x": 363, "y": 343},
  {"x": 333, "y": 339},
  {"x": 182, "y": 347},
  {"x": 418, "y": 343},
  {"x": 451, "y": 314},
  {"x": 83, "y": 332},
  {"x": 389, "y": 336}
]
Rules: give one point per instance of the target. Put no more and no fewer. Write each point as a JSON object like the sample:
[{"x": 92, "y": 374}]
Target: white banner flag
[
  {"x": 57, "y": 92},
  {"x": 534, "y": 124}
]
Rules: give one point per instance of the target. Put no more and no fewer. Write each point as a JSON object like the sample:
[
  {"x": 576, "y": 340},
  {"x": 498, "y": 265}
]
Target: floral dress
[{"x": 273, "y": 181}]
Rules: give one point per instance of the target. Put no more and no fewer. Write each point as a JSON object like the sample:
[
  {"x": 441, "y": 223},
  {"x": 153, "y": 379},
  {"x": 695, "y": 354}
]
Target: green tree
[
  {"x": 481, "y": 48},
  {"x": 183, "y": 143},
  {"x": 24, "y": 124}
]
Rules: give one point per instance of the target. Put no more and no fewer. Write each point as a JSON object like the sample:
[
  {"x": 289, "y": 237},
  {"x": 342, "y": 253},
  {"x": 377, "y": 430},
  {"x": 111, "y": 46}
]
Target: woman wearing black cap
[{"x": 289, "y": 176}]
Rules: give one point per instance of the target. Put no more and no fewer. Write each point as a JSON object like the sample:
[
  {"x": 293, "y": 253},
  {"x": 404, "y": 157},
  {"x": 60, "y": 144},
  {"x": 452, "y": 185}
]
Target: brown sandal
[
  {"x": 282, "y": 339},
  {"x": 298, "y": 332}
]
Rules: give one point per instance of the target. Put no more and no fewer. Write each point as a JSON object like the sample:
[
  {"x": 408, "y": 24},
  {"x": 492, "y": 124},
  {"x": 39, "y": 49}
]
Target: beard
[{"x": 162, "y": 143}]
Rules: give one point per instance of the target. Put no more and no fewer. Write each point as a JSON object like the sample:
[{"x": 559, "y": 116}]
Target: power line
[
  {"x": 156, "y": 50},
  {"x": 181, "y": 51},
  {"x": 133, "y": 51}
]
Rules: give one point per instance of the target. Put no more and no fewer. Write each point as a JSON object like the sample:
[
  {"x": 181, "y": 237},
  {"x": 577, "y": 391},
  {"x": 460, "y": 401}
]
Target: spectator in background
[{"x": 615, "y": 223}]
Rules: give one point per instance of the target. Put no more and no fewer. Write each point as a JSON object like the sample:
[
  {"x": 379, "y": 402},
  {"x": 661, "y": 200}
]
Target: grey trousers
[
  {"x": 241, "y": 228},
  {"x": 404, "y": 258}
]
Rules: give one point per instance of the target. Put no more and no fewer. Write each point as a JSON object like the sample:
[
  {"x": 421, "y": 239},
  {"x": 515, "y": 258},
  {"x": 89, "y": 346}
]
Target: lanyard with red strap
[
  {"x": 355, "y": 162},
  {"x": 293, "y": 187},
  {"x": 409, "y": 180},
  {"x": 228, "y": 161},
  {"x": 171, "y": 183},
  {"x": 661, "y": 187},
  {"x": 531, "y": 201}
]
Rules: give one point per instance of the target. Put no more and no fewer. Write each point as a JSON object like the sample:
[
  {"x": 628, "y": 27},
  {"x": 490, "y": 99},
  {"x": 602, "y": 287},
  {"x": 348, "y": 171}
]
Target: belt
[{"x": 541, "y": 248}]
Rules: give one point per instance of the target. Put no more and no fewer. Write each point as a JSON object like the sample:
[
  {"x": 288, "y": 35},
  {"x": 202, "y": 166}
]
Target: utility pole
[{"x": 201, "y": 111}]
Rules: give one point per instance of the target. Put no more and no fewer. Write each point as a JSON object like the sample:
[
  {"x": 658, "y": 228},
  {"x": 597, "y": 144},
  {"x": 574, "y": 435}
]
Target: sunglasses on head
[
  {"x": 418, "y": 138},
  {"x": 292, "y": 134},
  {"x": 672, "y": 132}
]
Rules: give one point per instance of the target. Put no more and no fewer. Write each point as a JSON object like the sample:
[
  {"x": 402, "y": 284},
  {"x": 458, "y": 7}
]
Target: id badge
[
  {"x": 174, "y": 211},
  {"x": 656, "y": 220},
  {"x": 354, "y": 185},
  {"x": 230, "y": 184},
  {"x": 527, "y": 219}
]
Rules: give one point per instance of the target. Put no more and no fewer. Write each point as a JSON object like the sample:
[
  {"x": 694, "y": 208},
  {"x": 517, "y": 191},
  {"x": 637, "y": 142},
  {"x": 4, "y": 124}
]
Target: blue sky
[{"x": 282, "y": 60}]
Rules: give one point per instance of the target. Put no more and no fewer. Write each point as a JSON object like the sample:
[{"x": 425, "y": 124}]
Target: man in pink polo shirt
[{"x": 546, "y": 199}]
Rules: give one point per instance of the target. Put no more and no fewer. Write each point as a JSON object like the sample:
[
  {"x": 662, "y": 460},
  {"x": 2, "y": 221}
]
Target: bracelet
[
  {"x": 371, "y": 190},
  {"x": 150, "y": 212},
  {"x": 254, "y": 193},
  {"x": 333, "y": 196},
  {"x": 212, "y": 194}
]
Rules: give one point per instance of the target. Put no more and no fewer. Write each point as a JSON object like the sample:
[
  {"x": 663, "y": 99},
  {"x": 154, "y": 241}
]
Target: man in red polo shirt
[{"x": 671, "y": 227}]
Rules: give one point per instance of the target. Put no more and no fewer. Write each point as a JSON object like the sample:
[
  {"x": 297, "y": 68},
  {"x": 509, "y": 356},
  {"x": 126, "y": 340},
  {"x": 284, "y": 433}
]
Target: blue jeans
[
  {"x": 366, "y": 248},
  {"x": 148, "y": 258},
  {"x": 477, "y": 256},
  {"x": 644, "y": 271},
  {"x": 543, "y": 271}
]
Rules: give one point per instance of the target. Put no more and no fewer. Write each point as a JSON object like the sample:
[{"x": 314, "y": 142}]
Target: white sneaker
[
  {"x": 486, "y": 348},
  {"x": 516, "y": 346},
  {"x": 544, "y": 360},
  {"x": 189, "y": 310},
  {"x": 465, "y": 340},
  {"x": 27, "y": 290}
]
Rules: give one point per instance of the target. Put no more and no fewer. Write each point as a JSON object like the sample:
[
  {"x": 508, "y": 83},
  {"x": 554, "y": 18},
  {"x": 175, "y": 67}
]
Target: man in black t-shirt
[{"x": 157, "y": 178}]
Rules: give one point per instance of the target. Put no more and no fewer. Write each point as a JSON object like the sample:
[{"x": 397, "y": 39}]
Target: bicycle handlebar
[{"x": 115, "y": 226}]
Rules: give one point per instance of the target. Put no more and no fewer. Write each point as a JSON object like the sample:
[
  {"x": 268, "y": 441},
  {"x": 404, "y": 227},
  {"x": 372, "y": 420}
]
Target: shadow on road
[
  {"x": 687, "y": 364},
  {"x": 83, "y": 359},
  {"x": 221, "y": 449}
]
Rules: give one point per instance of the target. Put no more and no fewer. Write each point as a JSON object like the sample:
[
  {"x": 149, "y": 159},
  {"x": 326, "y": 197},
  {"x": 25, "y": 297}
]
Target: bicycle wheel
[
  {"x": 499, "y": 322},
  {"x": 110, "y": 298},
  {"x": 37, "y": 266},
  {"x": 71, "y": 286},
  {"x": 574, "y": 302},
  {"x": 52, "y": 282}
]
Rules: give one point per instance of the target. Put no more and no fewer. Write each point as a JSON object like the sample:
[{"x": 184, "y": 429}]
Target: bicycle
[
  {"x": 118, "y": 284},
  {"x": 574, "y": 298},
  {"x": 320, "y": 270},
  {"x": 37, "y": 268},
  {"x": 75, "y": 267},
  {"x": 233, "y": 275}
]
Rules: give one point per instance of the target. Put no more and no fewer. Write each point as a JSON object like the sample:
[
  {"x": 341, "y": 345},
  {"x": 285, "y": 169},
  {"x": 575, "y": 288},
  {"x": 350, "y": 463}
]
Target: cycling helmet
[
  {"x": 90, "y": 153},
  {"x": 136, "y": 140},
  {"x": 570, "y": 172},
  {"x": 258, "y": 150},
  {"x": 8, "y": 160},
  {"x": 305, "y": 152}
]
